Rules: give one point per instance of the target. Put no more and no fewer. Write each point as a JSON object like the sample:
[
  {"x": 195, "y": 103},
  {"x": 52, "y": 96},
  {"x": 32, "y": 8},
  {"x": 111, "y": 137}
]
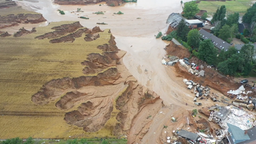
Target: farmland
[
  {"x": 26, "y": 64},
  {"x": 239, "y": 6}
]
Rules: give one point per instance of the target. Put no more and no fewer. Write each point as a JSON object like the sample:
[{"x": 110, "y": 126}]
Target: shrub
[
  {"x": 99, "y": 12},
  {"x": 194, "y": 112},
  {"x": 185, "y": 45},
  {"x": 246, "y": 32},
  {"x": 238, "y": 36},
  {"x": 245, "y": 40},
  {"x": 168, "y": 37},
  {"x": 195, "y": 53},
  {"x": 229, "y": 40},
  {"x": 159, "y": 35},
  {"x": 119, "y": 13},
  {"x": 61, "y": 12},
  {"x": 82, "y": 17}
]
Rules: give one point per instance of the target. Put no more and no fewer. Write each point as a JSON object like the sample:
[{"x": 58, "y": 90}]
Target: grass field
[
  {"x": 25, "y": 65},
  {"x": 232, "y": 6}
]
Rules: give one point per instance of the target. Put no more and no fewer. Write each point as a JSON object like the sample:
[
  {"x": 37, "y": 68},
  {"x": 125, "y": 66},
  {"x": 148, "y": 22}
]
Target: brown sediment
[
  {"x": 23, "y": 31},
  {"x": 5, "y": 34},
  {"x": 13, "y": 20},
  {"x": 91, "y": 37},
  {"x": 70, "y": 37},
  {"x": 7, "y": 4},
  {"x": 61, "y": 30}
]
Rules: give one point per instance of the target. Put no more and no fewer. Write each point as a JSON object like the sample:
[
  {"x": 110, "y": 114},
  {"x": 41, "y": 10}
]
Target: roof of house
[
  {"x": 219, "y": 43},
  {"x": 174, "y": 19},
  {"x": 241, "y": 28},
  {"x": 222, "y": 113},
  {"x": 200, "y": 13},
  {"x": 252, "y": 134},
  {"x": 193, "y": 21},
  {"x": 238, "y": 135},
  {"x": 239, "y": 46},
  {"x": 187, "y": 134}
]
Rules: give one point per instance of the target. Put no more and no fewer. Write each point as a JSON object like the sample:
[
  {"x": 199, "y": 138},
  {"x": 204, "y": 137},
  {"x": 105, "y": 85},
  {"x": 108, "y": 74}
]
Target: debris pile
[
  {"x": 200, "y": 91},
  {"x": 170, "y": 60},
  {"x": 241, "y": 98},
  {"x": 192, "y": 68}
]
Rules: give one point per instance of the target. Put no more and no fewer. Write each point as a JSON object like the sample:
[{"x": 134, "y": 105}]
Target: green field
[{"x": 232, "y": 6}]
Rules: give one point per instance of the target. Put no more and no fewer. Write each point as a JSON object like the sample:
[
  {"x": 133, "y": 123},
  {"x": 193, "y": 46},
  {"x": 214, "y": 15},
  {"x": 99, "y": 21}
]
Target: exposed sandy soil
[{"x": 140, "y": 97}]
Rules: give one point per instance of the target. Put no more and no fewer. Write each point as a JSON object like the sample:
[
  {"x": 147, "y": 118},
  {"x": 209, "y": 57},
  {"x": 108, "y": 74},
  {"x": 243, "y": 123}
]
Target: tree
[
  {"x": 234, "y": 30},
  {"x": 231, "y": 51},
  {"x": 232, "y": 19},
  {"x": 217, "y": 28},
  {"x": 204, "y": 16},
  {"x": 207, "y": 52},
  {"x": 253, "y": 38},
  {"x": 246, "y": 32},
  {"x": 190, "y": 9},
  {"x": 224, "y": 55},
  {"x": 237, "y": 62},
  {"x": 231, "y": 65},
  {"x": 247, "y": 52},
  {"x": 182, "y": 30},
  {"x": 221, "y": 56},
  {"x": 220, "y": 14},
  {"x": 193, "y": 38},
  {"x": 225, "y": 32},
  {"x": 248, "y": 16}
]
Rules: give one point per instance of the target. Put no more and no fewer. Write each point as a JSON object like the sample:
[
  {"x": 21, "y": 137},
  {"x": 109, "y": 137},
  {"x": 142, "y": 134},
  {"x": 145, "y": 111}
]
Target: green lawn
[{"x": 232, "y": 6}]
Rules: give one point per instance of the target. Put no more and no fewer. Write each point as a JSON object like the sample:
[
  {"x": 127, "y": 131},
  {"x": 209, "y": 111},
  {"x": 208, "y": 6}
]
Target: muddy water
[{"x": 134, "y": 32}]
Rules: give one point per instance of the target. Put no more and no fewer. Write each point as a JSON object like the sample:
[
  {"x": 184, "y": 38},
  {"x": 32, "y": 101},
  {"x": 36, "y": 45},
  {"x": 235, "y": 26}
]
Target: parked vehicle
[
  {"x": 242, "y": 81},
  {"x": 197, "y": 103},
  {"x": 186, "y": 62},
  {"x": 186, "y": 59}
]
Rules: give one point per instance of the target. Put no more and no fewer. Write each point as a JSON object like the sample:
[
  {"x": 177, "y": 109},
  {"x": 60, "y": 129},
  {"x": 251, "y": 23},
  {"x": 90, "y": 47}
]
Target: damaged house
[{"x": 218, "y": 114}]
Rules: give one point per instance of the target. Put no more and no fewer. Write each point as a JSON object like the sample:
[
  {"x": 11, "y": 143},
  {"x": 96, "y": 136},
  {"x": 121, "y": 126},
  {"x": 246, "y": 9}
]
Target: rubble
[{"x": 170, "y": 60}]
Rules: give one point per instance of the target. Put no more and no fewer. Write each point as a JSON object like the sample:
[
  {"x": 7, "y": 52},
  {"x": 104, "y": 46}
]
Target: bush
[
  {"x": 119, "y": 13},
  {"x": 61, "y": 12},
  {"x": 159, "y": 35},
  {"x": 195, "y": 53},
  {"x": 229, "y": 40},
  {"x": 246, "y": 32},
  {"x": 238, "y": 36},
  {"x": 185, "y": 45},
  {"x": 245, "y": 40},
  {"x": 82, "y": 17},
  {"x": 194, "y": 112},
  {"x": 168, "y": 38},
  {"x": 99, "y": 12}
]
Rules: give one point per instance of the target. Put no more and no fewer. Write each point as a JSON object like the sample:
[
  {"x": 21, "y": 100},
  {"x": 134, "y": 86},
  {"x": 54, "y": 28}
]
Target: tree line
[{"x": 229, "y": 62}]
